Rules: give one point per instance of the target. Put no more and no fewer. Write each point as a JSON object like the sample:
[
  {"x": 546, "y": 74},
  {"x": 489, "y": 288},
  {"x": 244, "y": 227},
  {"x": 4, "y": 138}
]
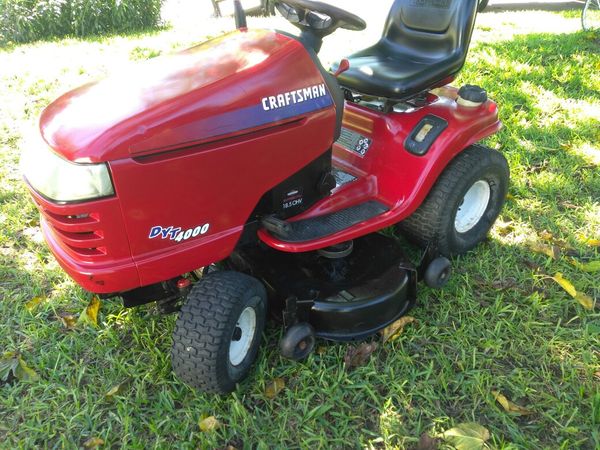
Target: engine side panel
[
  {"x": 215, "y": 186},
  {"x": 191, "y": 150}
]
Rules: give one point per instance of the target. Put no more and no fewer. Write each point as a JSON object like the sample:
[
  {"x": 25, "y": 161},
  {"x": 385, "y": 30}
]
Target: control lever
[{"x": 344, "y": 65}]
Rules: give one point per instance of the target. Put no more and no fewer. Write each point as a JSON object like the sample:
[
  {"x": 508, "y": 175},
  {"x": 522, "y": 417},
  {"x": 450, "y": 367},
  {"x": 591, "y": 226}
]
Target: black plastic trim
[{"x": 421, "y": 147}]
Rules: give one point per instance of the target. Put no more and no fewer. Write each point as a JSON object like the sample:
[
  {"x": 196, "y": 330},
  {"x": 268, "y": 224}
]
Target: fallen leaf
[
  {"x": 549, "y": 250},
  {"x": 209, "y": 424},
  {"x": 510, "y": 406},
  {"x": 274, "y": 388},
  {"x": 546, "y": 236},
  {"x": 34, "y": 303},
  {"x": 321, "y": 350},
  {"x": 532, "y": 265},
  {"x": 592, "y": 242},
  {"x": 585, "y": 300},
  {"x": 117, "y": 390},
  {"x": 24, "y": 372},
  {"x": 13, "y": 365},
  {"x": 592, "y": 266},
  {"x": 90, "y": 313},
  {"x": 358, "y": 356},
  {"x": 391, "y": 332},
  {"x": 427, "y": 442},
  {"x": 565, "y": 284},
  {"x": 467, "y": 436},
  {"x": 503, "y": 228},
  {"x": 93, "y": 442},
  {"x": 8, "y": 365},
  {"x": 68, "y": 320}
]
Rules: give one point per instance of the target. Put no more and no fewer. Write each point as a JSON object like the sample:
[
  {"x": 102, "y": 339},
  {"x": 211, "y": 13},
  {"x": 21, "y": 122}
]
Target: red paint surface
[
  {"x": 390, "y": 174},
  {"x": 161, "y": 131},
  {"x": 171, "y": 165}
]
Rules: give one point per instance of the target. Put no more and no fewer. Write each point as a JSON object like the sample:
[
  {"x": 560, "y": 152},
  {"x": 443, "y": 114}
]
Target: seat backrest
[{"x": 430, "y": 29}]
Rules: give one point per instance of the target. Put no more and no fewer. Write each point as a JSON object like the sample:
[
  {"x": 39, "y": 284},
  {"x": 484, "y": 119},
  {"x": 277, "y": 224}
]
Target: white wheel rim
[
  {"x": 242, "y": 336},
  {"x": 473, "y": 206}
]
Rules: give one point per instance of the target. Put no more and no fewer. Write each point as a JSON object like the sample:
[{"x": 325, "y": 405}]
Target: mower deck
[{"x": 343, "y": 298}]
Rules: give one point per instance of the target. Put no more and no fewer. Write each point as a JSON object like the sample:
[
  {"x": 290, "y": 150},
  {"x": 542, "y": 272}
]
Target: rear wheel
[
  {"x": 218, "y": 331},
  {"x": 464, "y": 203}
]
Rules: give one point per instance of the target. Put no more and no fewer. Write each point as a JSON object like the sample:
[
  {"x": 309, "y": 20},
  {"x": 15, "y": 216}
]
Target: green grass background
[{"x": 501, "y": 324}]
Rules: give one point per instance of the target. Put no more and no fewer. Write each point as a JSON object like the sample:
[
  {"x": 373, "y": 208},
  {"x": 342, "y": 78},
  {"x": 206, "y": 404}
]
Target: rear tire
[
  {"x": 218, "y": 331},
  {"x": 463, "y": 205}
]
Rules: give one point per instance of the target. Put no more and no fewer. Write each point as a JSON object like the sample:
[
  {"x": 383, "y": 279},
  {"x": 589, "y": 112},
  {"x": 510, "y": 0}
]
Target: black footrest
[{"x": 318, "y": 227}]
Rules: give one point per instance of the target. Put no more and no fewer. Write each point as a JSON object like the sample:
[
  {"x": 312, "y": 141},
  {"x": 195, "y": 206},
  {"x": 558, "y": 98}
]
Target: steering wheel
[{"x": 320, "y": 18}]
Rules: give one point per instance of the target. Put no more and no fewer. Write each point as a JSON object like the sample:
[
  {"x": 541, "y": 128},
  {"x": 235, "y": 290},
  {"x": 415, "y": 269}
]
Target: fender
[{"x": 386, "y": 171}]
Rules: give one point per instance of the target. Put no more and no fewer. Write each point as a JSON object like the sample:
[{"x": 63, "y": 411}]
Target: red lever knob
[{"x": 344, "y": 65}]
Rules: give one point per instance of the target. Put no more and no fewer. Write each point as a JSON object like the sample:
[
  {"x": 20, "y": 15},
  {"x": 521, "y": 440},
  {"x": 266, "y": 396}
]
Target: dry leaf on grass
[
  {"x": 391, "y": 332},
  {"x": 34, "y": 303},
  {"x": 209, "y": 423},
  {"x": 427, "y": 442},
  {"x": 592, "y": 242},
  {"x": 117, "y": 390},
  {"x": 93, "y": 442},
  {"x": 503, "y": 228},
  {"x": 274, "y": 388},
  {"x": 592, "y": 266},
  {"x": 358, "y": 356},
  {"x": 555, "y": 242},
  {"x": 467, "y": 436},
  {"x": 90, "y": 313},
  {"x": 584, "y": 299},
  {"x": 12, "y": 365},
  {"x": 553, "y": 251},
  {"x": 510, "y": 406},
  {"x": 68, "y": 320}
]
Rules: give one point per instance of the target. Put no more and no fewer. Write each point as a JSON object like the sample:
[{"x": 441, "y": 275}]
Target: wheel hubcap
[
  {"x": 242, "y": 336},
  {"x": 473, "y": 206}
]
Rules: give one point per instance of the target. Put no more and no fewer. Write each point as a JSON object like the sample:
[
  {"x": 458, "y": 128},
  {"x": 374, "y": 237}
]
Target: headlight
[{"x": 61, "y": 180}]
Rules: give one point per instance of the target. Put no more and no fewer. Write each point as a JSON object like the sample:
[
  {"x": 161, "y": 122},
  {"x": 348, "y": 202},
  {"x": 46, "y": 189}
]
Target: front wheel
[
  {"x": 218, "y": 331},
  {"x": 463, "y": 204}
]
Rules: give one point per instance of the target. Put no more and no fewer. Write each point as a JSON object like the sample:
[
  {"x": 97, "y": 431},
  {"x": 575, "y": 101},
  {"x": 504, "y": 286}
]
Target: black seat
[{"x": 424, "y": 44}]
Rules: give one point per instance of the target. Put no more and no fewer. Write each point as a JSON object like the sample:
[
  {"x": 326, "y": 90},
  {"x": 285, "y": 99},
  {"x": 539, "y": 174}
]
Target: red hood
[{"x": 161, "y": 103}]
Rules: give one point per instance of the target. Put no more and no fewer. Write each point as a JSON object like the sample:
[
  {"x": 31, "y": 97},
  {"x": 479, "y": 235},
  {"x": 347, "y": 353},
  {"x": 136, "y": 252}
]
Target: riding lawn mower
[{"x": 240, "y": 177}]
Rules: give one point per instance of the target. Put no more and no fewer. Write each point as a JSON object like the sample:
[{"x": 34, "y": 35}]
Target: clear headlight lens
[{"x": 61, "y": 180}]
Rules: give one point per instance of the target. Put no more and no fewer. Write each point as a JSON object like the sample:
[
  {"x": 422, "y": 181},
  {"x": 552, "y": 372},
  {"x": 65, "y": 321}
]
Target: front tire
[
  {"x": 463, "y": 204},
  {"x": 218, "y": 331}
]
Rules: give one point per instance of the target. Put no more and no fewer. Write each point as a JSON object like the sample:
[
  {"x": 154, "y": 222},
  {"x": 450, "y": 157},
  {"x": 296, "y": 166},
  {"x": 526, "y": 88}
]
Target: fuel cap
[{"x": 471, "y": 95}]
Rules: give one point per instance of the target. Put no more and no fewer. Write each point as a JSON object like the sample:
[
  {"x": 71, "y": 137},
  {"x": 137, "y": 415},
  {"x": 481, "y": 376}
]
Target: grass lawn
[{"x": 501, "y": 324}]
